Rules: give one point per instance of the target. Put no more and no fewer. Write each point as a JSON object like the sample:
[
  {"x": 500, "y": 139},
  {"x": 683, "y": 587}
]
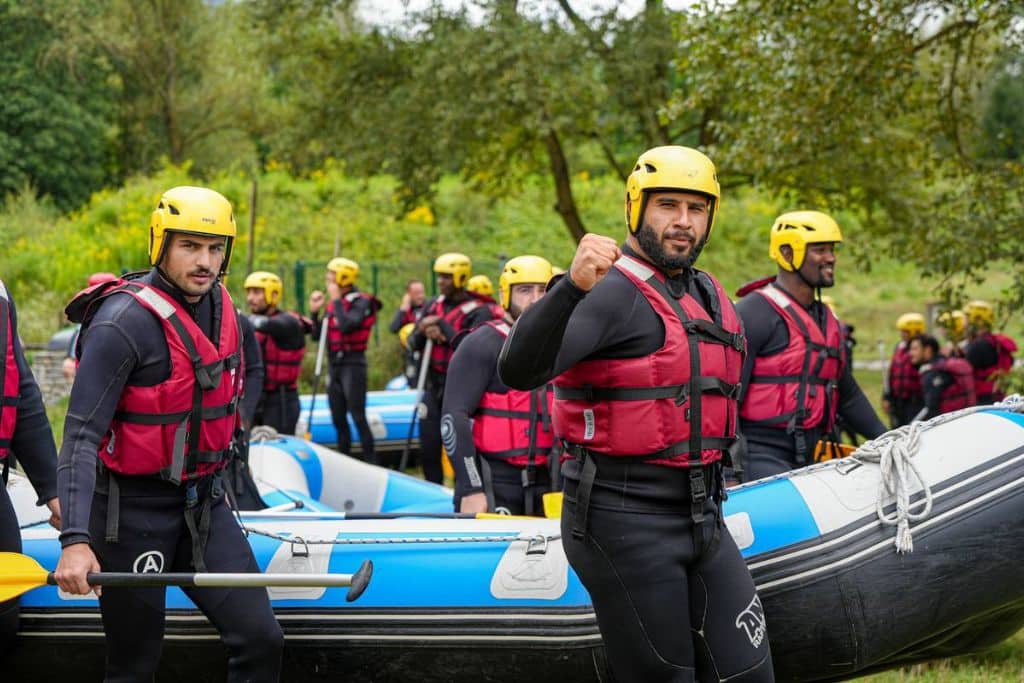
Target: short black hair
[{"x": 927, "y": 341}]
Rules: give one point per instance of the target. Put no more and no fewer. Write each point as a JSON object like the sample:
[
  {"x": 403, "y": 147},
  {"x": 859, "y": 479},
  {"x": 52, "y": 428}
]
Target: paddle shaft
[
  {"x": 421, "y": 381},
  {"x": 321, "y": 349}
]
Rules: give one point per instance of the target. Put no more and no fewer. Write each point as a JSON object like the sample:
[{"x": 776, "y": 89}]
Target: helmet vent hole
[
  {"x": 650, "y": 168},
  {"x": 174, "y": 210}
]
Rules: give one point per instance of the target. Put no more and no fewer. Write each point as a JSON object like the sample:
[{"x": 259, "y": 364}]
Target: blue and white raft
[
  {"x": 455, "y": 598},
  {"x": 389, "y": 414}
]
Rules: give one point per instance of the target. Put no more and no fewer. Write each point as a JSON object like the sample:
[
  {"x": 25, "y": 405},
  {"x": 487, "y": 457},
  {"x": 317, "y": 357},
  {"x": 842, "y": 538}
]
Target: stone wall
[{"x": 47, "y": 366}]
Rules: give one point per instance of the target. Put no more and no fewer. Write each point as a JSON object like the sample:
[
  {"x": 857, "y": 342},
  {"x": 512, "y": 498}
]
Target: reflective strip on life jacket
[{"x": 676, "y": 406}]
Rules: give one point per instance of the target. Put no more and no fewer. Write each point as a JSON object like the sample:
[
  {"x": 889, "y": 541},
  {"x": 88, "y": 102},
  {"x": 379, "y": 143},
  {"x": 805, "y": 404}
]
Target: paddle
[
  {"x": 419, "y": 411},
  {"x": 21, "y": 573},
  {"x": 320, "y": 348}
]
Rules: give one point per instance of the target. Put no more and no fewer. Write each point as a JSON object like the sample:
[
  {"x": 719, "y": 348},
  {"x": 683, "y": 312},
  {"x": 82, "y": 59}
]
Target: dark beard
[{"x": 652, "y": 247}]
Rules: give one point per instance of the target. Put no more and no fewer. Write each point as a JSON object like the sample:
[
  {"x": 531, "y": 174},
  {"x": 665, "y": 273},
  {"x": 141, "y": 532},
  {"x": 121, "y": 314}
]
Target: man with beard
[
  {"x": 796, "y": 376},
  {"x": 645, "y": 352},
  {"x": 149, "y": 429},
  {"x": 441, "y": 320},
  {"x": 282, "y": 340},
  {"x": 498, "y": 438}
]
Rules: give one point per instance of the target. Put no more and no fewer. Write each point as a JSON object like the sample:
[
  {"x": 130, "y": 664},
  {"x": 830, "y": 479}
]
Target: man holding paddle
[
  {"x": 24, "y": 432},
  {"x": 149, "y": 428}
]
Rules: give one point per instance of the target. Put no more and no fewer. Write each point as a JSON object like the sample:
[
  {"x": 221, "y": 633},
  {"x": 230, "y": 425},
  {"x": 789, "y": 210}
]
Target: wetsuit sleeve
[
  {"x": 254, "y": 371},
  {"x": 109, "y": 356},
  {"x": 349, "y": 321},
  {"x": 980, "y": 353},
  {"x": 396, "y": 321},
  {"x": 566, "y": 326},
  {"x": 855, "y": 408},
  {"x": 933, "y": 383},
  {"x": 32, "y": 442},
  {"x": 471, "y": 372}
]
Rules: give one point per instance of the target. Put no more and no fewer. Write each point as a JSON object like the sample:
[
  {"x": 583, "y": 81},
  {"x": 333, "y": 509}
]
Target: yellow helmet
[
  {"x": 194, "y": 210},
  {"x": 911, "y": 323},
  {"x": 954, "y": 322},
  {"x": 455, "y": 264},
  {"x": 523, "y": 270},
  {"x": 798, "y": 229},
  {"x": 268, "y": 282},
  {"x": 980, "y": 313},
  {"x": 346, "y": 271},
  {"x": 480, "y": 284},
  {"x": 670, "y": 168},
  {"x": 403, "y": 334}
]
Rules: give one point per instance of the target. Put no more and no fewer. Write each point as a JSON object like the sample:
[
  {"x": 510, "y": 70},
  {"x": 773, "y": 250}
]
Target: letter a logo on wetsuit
[
  {"x": 751, "y": 620},
  {"x": 150, "y": 562}
]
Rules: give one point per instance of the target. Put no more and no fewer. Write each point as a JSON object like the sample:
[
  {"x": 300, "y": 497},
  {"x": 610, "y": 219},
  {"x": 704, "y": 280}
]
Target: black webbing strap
[
  {"x": 511, "y": 414},
  {"x": 113, "y": 527},
  {"x": 795, "y": 424},
  {"x": 698, "y": 494},
  {"x": 586, "y": 485},
  {"x": 680, "y": 393},
  {"x": 487, "y": 478},
  {"x": 712, "y": 333},
  {"x": 197, "y": 519},
  {"x": 209, "y": 413},
  {"x": 6, "y": 470}
]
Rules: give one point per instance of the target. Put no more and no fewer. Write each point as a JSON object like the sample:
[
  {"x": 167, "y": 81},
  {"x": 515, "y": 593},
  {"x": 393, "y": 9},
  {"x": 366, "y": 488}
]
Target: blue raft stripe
[
  {"x": 404, "y": 493},
  {"x": 1017, "y": 418},
  {"x": 778, "y": 514}
]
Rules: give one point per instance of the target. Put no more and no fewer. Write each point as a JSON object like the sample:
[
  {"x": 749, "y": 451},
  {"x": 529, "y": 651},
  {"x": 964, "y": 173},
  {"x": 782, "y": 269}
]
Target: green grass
[{"x": 1002, "y": 664}]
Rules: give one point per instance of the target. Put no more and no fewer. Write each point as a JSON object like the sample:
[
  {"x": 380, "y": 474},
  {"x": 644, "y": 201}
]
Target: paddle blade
[{"x": 19, "y": 574}]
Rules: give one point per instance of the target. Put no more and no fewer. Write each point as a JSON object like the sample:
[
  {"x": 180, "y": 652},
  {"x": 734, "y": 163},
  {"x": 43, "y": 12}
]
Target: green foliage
[{"x": 55, "y": 118}]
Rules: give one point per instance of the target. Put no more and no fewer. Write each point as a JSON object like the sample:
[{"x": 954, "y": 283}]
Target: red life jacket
[
  {"x": 985, "y": 378},
  {"x": 904, "y": 379},
  {"x": 10, "y": 378},
  {"x": 282, "y": 366},
  {"x": 798, "y": 388},
  {"x": 182, "y": 428},
  {"x": 514, "y": 426},
  {"x": 959, "y": 394},
  {"x": 441, "y": 354},
  {"x": 676, "y": 406},
  {"x": 357, "y": 339}
]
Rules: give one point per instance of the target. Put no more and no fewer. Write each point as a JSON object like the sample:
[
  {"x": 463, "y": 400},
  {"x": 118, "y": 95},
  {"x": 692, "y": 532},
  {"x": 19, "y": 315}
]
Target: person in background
[
  {"x": 351, "y": 314},
  {"x": 796, "y": 376},
  {"x": 953, "y": 328},
  {"x": 70, "y": 364},
  {"x": 282, "y": 340},
  {"x": 409, "y": 309},
  {"x": 902, "y": 395},
  {"x": 947, "y": 382},
  {"x": 989, "y": 353},
  {"x": 498, "y": 438},
  {"x": 441, "y": 320}
]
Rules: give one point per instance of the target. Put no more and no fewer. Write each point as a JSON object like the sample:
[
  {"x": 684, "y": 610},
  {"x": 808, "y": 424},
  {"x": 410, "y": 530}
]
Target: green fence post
[
  {"x": 300, "y": 287},
  {"x": 374, "y": 276}
]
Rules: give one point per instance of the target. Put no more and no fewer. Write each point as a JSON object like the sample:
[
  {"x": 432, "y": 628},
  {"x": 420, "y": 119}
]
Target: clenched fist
[{"x": 595, "y": 256}]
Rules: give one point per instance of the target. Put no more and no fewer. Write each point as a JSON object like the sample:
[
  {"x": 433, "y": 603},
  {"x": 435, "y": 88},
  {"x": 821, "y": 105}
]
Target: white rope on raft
[{"x": 894, "y": 453}]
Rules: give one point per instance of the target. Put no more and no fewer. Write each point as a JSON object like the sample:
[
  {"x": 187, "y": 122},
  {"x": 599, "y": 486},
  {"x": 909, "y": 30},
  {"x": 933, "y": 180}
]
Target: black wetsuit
[
  {"x": 32, "y": 445},
  {"x": 402, "y": 318},
  {"x": 934, "y": 381},
  {"x": 772, "y": 450},
  {"x": 667, "y": 610},
  {"x": 346, "y": 391},
  {"x": 472, "y": 372},
  {"x": 124, "y": 344},
  {"x": 981, "y": 353},
  {"x": 254, "y": 370},
  {"x": 279, "y": 408},
  {"x": 434, "y": 387}
]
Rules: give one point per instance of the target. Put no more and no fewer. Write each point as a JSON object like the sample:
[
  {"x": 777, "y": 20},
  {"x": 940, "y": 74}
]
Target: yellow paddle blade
[
  {"x": 18, "y": 574},
  {"x": 553, "y": 505}
]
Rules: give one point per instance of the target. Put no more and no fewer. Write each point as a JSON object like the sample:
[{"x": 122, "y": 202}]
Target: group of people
[
  {"x": 631, "y": 381},
  {"x": 926, "y": 377}
]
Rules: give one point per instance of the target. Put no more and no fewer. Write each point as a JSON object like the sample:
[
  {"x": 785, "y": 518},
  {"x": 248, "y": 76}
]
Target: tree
[{"x": 55, "y": 122}]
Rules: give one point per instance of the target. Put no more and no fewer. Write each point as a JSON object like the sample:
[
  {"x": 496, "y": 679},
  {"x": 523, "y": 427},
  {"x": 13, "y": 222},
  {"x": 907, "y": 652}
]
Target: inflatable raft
[
  {"x": 455, "y": 598},
  {"x": 389, "y": 414}
]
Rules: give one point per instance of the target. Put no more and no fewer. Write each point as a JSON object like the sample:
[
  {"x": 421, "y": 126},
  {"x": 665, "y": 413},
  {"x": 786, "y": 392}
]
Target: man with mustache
[
  {"x": 796, "y": 376},
  {"x": 149, "y": 429},
  {"x": 645, "y": 352}
]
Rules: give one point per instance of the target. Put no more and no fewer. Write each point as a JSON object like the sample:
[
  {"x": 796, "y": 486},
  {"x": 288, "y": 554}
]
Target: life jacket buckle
[
  {"x": 683, "y": 395},
  {"x": 698, "y": 488}
]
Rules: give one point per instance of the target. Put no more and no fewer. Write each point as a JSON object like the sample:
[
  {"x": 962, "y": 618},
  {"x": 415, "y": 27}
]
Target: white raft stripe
[
  {"x": 583, "y": 616},
  {"x": 874, "y": 523},
  {"x": 888, "y": 542}
]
